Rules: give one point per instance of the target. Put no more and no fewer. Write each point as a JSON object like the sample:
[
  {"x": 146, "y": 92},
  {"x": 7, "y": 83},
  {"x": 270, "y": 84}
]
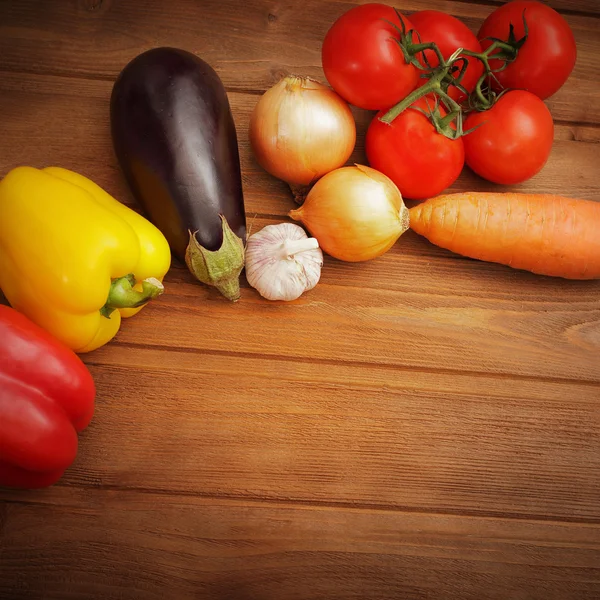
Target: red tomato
[
  {"x": 418, "y": 159},
  {"x": 545, "y": 60},
  {"x": 362, "y": 60},
  {"x": 449, "y": 34},
  {"x": 514, "y": 138}
]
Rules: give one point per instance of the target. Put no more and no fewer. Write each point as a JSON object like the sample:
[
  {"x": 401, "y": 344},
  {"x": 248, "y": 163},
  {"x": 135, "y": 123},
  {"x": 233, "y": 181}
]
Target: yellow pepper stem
[{"x": 122, "y": 294}]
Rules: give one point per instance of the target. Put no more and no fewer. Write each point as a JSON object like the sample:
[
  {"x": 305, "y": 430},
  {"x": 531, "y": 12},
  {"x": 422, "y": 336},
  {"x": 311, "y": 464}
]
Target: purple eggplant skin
[{"x": 175, "y": 139}]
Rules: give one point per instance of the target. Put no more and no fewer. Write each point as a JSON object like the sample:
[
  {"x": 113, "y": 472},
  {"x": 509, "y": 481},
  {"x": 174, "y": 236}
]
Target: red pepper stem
[{"x": 122, "y": 294}]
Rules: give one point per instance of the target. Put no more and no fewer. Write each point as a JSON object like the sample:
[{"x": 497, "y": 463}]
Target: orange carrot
[{"x": 545, "y": 234}]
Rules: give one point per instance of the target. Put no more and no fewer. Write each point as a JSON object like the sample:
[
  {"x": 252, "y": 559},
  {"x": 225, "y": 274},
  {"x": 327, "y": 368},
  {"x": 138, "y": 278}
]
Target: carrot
[{"x": 541, "y": 233}]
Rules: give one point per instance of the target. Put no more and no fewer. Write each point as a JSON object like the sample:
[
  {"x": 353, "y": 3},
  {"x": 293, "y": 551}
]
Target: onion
[
  {"x": 356, "y": 213},
  {"x": 300, "y": 130}
]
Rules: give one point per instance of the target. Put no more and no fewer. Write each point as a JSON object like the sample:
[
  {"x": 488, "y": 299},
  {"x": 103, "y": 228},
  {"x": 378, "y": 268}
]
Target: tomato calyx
[
  {"x": 437, "y": 85},
  {"x": 507, "y": 50},
  {"x": 409, "y": 48},
  {"x": 447, "y": 73},
  {"x": 450, "y": 73},
  {"x": 483, "y": 96},
  {"x": 442, "y": 124}
]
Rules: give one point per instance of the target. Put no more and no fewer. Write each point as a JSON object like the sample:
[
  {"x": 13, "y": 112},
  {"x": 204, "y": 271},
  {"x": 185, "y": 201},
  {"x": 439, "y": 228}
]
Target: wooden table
[{"x": 421, "y": 426}]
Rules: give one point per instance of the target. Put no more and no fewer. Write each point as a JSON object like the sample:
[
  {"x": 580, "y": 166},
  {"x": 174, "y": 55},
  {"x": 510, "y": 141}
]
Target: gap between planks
[
  {"x": 228, "y": 89},
  {"x": 105, "y": 78},
  {"x": 351, "y": 363},
  {"x": 16, "y": 497},
  {"x": 563, "y": 11}
]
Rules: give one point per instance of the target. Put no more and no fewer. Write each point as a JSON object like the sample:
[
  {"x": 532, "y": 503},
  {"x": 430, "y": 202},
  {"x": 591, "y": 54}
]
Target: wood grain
[
  {"x": 418, "y": 427},
  {"x": 49, "y": 111},
  {"x": 249, "y": 48},
  {"x": 405, "y": 327},
  {"x": 230, "y": 425},
  {"x": 225, "y": 550},
  {"x": 420, "y": 314}
]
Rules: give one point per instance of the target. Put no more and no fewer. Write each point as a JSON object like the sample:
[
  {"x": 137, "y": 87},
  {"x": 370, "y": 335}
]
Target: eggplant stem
[
  {"x": 219, "y": 268},
  {"x": 229, "y": 288}
]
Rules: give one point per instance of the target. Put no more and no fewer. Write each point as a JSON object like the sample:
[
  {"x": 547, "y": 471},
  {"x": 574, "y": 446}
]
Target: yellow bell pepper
[{"x": 72, "y": 258}]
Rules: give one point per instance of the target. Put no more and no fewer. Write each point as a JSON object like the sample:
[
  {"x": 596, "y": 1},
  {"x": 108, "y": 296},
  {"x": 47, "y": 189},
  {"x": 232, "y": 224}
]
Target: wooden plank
[
  {"x": 69, "y": 543},
  {"x": 53, "y": 116},
  {"x": 233, "y": 425},
  {"x": 419, "y": 427},
  {"x": 414, "y": 266},
  {"x": 44, "y": 116},
  {"x": 405, "y": 326},
  {"x": 250, "y": 49},
  {"x": 46, "y": 120},
  {"x": 568, "y": 7}
]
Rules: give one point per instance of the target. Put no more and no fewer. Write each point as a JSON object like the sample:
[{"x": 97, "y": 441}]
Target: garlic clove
[{"x": 282, "y": 262}]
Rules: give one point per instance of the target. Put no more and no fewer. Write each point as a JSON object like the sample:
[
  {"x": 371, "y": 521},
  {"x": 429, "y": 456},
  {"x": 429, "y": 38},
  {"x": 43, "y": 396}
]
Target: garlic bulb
[{"x": 282, "y": 262}]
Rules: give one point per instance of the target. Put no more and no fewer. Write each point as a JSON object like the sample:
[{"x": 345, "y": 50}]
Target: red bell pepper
[{"x": 46, "y": 397}]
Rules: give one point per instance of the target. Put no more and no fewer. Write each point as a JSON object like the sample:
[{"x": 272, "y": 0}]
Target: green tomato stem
[
  {"x": 433, "y": 85},
  {"x": 414, "y": 49}
]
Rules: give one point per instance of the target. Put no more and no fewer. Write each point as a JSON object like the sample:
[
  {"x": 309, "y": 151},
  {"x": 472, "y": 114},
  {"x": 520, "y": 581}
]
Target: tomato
[
  {"x": 362, "y": 60},
  {"x": 547, "y": 57},
  {"x": 514, "y": 138},
  {"x": 418, "y": 159},
  {"x": 449, "y": 34}
]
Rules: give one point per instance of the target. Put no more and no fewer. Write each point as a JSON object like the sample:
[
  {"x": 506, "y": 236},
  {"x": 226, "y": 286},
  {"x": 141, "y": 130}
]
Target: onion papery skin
[
  {"x": 356, "y": 213},
  {"x": 300, "y": 130}
]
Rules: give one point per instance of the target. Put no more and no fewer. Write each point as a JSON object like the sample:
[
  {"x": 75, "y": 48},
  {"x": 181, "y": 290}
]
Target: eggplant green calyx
[
  {"x": 123, "y": 295},
  {"x": 219, "y": 268}
]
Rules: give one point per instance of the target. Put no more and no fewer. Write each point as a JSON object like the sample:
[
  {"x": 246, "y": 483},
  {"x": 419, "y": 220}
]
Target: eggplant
[{"x": 175, "y": 140}]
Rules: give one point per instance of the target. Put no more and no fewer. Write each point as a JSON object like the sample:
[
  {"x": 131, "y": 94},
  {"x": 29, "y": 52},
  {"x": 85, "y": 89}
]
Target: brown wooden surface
[{"x": 419, "y": 427}]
